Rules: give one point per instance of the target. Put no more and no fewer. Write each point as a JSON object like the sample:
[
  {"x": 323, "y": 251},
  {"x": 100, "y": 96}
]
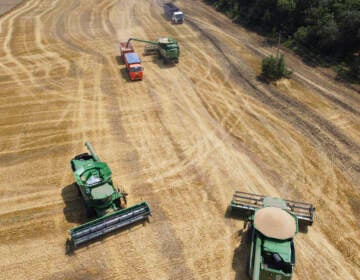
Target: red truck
[{"x": 132, "y": 61}]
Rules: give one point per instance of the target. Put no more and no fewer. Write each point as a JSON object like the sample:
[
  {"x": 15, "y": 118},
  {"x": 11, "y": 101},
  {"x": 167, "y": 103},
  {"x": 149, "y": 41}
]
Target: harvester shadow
[
  {"x": 161, "y": 63},
  {"x": 74, "y": 210},
  {"x": 237, "y": 214},
  {"x": 303, "y": 228},
  {"x": 168, "y": 19},
  {"x": 241, "y": 255}
]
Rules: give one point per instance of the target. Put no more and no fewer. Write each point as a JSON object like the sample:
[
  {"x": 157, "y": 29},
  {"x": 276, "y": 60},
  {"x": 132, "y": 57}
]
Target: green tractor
[
  {"x": 166, "y": 48},
  {"x": 101, "y": 199},
  {"x": 272, "y": 225}
]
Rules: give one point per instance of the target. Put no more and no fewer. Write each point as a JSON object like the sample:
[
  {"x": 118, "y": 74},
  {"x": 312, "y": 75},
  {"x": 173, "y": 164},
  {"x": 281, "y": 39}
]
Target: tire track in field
[{"x": 297, "y": 114}]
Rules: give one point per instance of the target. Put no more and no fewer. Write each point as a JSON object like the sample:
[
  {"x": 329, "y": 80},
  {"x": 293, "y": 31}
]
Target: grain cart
[
  {"x": 101, "y": 199},
  {"x": 173, "y": 13},
  {"x": 166, "y": 48},
  {"x": 273, "y": 224},
  {"x": 132, "y": 61}
]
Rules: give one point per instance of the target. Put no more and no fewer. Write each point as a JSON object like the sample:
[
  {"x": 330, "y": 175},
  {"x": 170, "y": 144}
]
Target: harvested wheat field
[{"x": 183, "y": 139}]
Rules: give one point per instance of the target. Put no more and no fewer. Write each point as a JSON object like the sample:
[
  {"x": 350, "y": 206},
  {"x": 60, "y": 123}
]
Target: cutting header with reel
[
  {"x": 272, "y": 224},
  {"x": 101, "y": 199}
]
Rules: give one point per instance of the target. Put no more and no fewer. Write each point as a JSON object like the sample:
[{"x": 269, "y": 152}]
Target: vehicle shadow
[
  {"x": 124, "y": 74},
  {"x": 119, "y": 60},
  {"x": 74, "y": 210},
  {"x": 240, "y": 261},
  {"x": 161, "y": 63},
  {"x": 303, "y": 227},
  {"x": 166, "y": 17},
  {"x": 237, "y": 214}
]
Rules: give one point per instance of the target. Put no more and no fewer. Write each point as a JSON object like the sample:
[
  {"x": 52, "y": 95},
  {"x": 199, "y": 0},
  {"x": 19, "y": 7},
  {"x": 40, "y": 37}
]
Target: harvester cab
[
  {"x": 166, "y": 48},
  {"x": 101, "y": 199},
  {"x": 272, "y": 225}
]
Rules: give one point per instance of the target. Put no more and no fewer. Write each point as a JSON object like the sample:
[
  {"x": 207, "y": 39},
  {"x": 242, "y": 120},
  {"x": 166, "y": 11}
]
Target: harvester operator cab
[
  {"x": 93, "y": 180},
  {"x": 274, "y": 261}
]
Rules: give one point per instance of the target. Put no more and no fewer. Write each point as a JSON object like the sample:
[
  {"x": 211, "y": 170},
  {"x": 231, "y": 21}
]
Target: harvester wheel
[
  {"x": 72, "y": 166},
  {"x": 84, "y": 156}
]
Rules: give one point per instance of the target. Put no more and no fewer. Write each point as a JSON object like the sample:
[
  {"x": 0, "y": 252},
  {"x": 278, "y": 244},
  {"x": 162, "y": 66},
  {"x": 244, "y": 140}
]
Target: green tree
[
  {"x": 355, "y": 68},
  {"x": 286, "y": 5},
  {"x": 273, "y": 68}
]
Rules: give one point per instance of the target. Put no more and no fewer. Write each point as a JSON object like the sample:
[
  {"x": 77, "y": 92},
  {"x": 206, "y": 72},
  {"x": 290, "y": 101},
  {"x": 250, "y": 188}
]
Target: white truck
[{"x": 173, "y": 13}]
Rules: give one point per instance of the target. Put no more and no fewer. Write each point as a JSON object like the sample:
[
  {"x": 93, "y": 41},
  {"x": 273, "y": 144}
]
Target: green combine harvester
[
  {"x": 166, "y": 48},
  {"x": 101, "y": 199},
  {"x": 273, "y": 224}
]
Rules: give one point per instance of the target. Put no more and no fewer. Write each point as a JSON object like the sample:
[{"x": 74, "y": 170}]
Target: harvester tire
[
  {"x": 84, "y": 156},
  {"x": 72, "y": 166}
]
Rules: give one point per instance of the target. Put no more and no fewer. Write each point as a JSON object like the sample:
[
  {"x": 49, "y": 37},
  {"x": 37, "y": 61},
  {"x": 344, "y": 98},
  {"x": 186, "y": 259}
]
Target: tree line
[{"x": 329, "y": 29}]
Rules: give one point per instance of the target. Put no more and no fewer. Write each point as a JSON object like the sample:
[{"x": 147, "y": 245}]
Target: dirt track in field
[{"x": 183, "y": 139}]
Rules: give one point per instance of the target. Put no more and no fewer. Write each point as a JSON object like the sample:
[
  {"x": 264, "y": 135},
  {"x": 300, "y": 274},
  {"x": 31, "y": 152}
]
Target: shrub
[{"x": 273, "y": 68}]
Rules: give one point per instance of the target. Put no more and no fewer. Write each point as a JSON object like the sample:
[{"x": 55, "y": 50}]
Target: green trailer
[
  {"x": 272, "y": 224},
  {"x": 101, "y": 199},
  {"x": 167, "y": 48}
]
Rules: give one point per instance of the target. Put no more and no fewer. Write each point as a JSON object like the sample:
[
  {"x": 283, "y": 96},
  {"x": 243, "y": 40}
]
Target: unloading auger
[{"x": 101, "y": 199}]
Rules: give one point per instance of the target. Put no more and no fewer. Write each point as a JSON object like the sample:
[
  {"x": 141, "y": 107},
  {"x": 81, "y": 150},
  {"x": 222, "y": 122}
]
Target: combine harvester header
[
  {"x": 248, "y": 203},
  {"x": 101, "y": 199}
]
